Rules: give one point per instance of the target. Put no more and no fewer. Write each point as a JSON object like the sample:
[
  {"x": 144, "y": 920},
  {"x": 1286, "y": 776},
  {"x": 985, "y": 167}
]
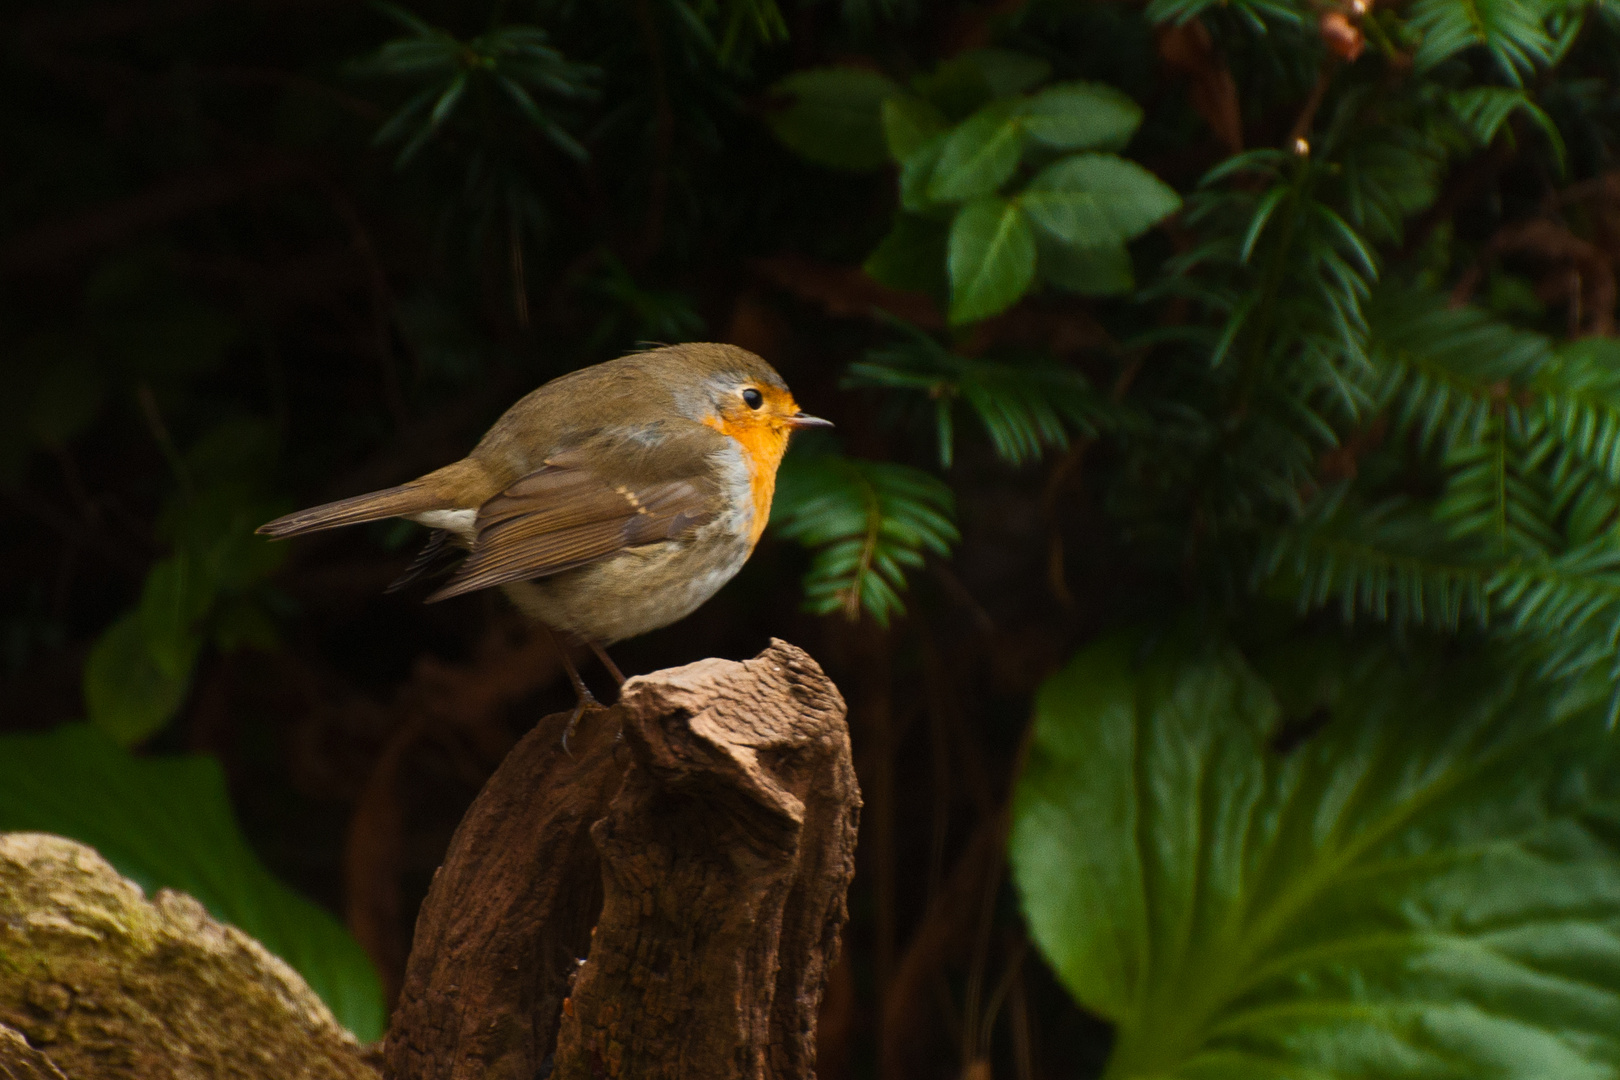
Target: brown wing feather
[
  {"x": 434, "y": 558},
  {"x": 559, "y": 518}
]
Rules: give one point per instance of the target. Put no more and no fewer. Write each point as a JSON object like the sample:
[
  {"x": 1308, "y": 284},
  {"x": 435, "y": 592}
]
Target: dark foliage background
[{"x": 256, "y": 256}]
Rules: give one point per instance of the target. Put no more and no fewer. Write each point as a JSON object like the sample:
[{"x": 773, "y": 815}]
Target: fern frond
[
  {"x": 1390, "y": 159},
  {"x": 1495, "y": 494},
  {"x": 1579, "y": 392},
  {"x": 1483, "y": 110},
  {"x": 868, "y": 522},
  {"x": 1380, "y": 561},
  {"x": 1442, "y": 371},
  {"x": 1026, "y": 408},
  {"x": 1386, "y": 562},
  {"x": 1515, "y": 32},
  {"x": 1446, "y": 372},
  {"x": 1257, "y": 13}
]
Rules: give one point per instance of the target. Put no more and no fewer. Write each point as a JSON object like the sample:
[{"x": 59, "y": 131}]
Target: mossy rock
[{"x": 99, "y": 983}]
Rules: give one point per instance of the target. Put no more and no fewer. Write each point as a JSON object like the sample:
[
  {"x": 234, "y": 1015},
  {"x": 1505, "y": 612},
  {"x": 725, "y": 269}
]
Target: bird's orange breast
[{"x": 763, "y": 445}]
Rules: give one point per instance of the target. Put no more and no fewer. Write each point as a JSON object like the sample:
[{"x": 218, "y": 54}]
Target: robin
[{"x": 609, "y": 502}]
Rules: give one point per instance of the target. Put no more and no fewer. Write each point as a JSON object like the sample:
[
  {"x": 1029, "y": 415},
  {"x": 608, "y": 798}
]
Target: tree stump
[{"x": 663, "y": 902}]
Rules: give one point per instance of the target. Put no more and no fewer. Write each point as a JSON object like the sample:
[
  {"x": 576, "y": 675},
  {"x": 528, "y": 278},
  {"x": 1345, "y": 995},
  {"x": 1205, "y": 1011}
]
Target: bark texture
[
  {"x": 99, "y": 983},
  {"x": 664, "y": 903}
]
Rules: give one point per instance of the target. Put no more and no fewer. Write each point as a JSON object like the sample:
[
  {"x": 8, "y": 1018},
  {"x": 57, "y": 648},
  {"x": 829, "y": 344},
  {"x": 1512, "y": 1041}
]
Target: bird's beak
[{"x": 804, "y": 420}]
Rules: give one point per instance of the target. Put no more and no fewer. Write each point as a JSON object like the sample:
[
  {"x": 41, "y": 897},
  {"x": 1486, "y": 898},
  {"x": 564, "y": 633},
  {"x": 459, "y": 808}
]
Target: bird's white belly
[
  {"x": 635, "y": 591},
  {"x": 640, "y": 589}
]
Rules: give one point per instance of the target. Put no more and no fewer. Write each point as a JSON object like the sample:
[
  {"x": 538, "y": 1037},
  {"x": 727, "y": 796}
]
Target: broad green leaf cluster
[{"x": 1016, "y": 182}]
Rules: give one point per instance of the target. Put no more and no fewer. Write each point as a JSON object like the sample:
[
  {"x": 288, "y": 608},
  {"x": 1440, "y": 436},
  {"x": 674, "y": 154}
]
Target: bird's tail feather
[
  {"x": 372, "y": 506},
  {"x": 450, "y": 488}
]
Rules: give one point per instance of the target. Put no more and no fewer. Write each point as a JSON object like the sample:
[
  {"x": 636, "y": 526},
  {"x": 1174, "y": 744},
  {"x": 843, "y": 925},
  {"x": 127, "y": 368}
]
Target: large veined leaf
[
  {"x": 833, "y": 116},
  {"x": 167, "y": 823},
  {"x": 991, "y": 258},
  {"x": 1428, "y": 887}
]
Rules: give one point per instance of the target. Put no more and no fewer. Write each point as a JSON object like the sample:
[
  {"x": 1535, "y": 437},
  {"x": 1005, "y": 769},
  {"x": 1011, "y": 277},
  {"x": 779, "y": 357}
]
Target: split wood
[{"x": 665, "y": 901}]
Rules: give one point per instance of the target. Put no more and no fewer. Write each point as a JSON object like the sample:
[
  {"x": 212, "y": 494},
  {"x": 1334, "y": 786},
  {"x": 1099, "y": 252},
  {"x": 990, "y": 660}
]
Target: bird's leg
[
  {"x": 582, "y": 693},
  {"x": 607, "y": 662}
]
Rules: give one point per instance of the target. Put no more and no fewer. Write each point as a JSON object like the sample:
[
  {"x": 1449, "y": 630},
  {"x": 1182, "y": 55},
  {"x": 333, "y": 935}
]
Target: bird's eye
[{"x": 753, "y": 398}]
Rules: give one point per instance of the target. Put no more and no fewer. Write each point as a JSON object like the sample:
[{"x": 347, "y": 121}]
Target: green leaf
[
  {"x": 167, "y": 823},
  {"x": 1097, "y": 200},
  {"x": 978, "y": 156},
  {"x": 915, "y": 173},
  {"x": 138, "y": 672},
  {"x": 909, "y": 122},
  {"x": 992, "y": 258},
  {"x": 1089, "y": 271},
  {"x": 135, "y": 681},
  {"x": 912, "y": 256},
  {"x": 1081, "y": 116},
  {"x": 834, "y": 116},
  {"x": 1428, "y": 888},
  {"x": 965, "y": 82},
  {"x": 1007, "y": 72},
  {"x": 446, "y": 104}
]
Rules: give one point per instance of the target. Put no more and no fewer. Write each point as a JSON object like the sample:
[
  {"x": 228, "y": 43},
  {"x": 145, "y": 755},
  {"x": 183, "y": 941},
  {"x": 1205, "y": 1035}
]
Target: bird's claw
[{"x": 586, "y": 700}]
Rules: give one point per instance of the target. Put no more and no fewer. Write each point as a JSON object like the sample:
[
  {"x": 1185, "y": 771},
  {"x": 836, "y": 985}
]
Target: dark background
[{"x": 220, "y": 301}]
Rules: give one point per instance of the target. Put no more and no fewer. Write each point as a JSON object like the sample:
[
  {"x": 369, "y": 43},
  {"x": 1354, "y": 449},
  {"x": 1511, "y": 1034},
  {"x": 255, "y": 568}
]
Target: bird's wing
[
  {"x": 566, "y": 514},
  {"x": 434, "y": 558}
]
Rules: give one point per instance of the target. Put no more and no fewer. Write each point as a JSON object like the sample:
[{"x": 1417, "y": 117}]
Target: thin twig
[
  {"x": 1307, "y": 115},
  {"x": 165, "y": 441},
  {"x": 992, "y": 1008}
]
